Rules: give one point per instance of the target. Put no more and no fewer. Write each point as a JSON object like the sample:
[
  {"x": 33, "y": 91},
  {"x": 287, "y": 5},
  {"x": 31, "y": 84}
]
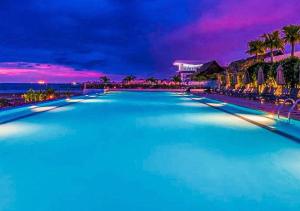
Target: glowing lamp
[{"x": 41, "y": 82}]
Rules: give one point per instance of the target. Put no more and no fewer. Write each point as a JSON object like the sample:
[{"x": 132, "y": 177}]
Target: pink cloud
[
  {"x": 222, "y": 32},
  {"x": 33, "y": 72},
  {"x": 231, "y": 15},
  {"x": 238, "y": 14}
]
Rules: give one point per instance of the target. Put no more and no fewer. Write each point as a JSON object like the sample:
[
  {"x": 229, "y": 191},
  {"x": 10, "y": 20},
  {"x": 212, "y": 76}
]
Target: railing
[
  {"x": 283, "y": 104},
  {"x": 292, "y": 108}
]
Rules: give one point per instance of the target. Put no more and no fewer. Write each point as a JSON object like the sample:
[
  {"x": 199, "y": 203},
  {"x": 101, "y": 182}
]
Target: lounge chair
[
  {"x": 221, "y": 90},
  {"x": 293, "y": 94},
  {"x": 228, "y": 91},
  {"x": 246, "y": 92},
  {"x": 253, "y": 94},
  {"x": 239, "y": 92},
  {"x": 269, "y": 95}
]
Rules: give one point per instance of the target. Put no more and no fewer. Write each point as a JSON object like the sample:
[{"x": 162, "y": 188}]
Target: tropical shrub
[
  {"x": 204, "y": 77},
  {"x": 290, "y": 67},
  {"x": 4, "y": 102},
  {"x": 291, "y": 71},
  {"x": 253, "y": 70},
  {"x": 35, "y": 96}
]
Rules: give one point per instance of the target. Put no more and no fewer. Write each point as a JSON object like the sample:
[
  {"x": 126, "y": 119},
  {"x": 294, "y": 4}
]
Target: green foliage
[
  {"x": 223, "y": 79},
  {"x": 253, "y": 70},
  {"x": 151, "y": 80},
  {"x": 129, "y": 78},
  {"x": 4, "y": 102},
  {"x": 291, "y": 33},
  {"x": 273, "y": 42},
  {"x": 49, "y": 92},
  {"x": 290, "y": 70},
  {"x": 176, "y": 78},
  {"x": 292, "y": 36},
  {"x": 104, "y": 79},
  {"x": 256, "y": 47},
  {"x": 204, "y": 77},
  {"x": 35, "y": 96}
]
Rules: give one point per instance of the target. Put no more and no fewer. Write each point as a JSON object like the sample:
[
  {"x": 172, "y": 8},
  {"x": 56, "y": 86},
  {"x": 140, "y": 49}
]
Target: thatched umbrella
[
  {"x": 234, "y": 80},
  {"x": 246, "y": 78},
  {"x": 260, "y": 77},
  {"x": 280, "y": 76},
  {"x": 299, "y": 73},
  {"x": 227, "y": 77}
]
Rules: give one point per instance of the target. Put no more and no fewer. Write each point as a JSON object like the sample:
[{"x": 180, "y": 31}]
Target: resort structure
[
  {"x": 189, "y": 71},
  {"x": 186, "y": 68},
  {"x": 137, "y": 131},
  {"x": 281, "y": 57}
]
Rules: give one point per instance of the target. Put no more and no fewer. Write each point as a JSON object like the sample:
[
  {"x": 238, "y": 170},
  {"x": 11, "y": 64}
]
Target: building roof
[
  {"x": 210, "y": 68},
  {"x": 267, "y": 55},
  {"x": 242, "y": 64},
  {"x": 282, "y": 56},
  {"x": 188, "y": 62}
]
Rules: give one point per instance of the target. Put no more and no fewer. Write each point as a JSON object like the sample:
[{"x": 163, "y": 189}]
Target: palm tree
[
  {"x": 41, "y": 96},
  {"x": 176, "y": 78},
  {"x": 292, "y": 36},
  {"x": 29, "y": 96},
  {"x": 256, "y": 47},
  {"x": 273, "y": 42},
  {"x": 151, "y": 80},
  {"x": 104, "y": 79},
  {"x": 129, "y": 78},
  {"x": 49, "y": 93}
]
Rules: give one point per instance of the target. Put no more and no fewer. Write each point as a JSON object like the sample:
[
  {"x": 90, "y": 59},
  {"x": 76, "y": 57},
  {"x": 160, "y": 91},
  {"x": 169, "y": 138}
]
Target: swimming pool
[{"x": 145, "y": 151}]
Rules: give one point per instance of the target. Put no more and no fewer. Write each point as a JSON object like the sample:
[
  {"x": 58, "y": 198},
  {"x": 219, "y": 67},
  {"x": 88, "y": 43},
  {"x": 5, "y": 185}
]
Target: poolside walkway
[{"x": 254, "y": 104}]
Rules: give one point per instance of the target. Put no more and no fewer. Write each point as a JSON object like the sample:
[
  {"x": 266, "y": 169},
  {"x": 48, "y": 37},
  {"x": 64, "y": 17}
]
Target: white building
[{"x": 186, "y": 68}]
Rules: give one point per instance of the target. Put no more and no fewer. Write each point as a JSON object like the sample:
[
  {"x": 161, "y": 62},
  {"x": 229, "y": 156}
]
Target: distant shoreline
[
  {"x": 21, "y": 88},
  {"x": 146, "y": 90}
]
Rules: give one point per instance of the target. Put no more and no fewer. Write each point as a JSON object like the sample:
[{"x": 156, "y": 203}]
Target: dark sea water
[{"x": 23, "y": 87}]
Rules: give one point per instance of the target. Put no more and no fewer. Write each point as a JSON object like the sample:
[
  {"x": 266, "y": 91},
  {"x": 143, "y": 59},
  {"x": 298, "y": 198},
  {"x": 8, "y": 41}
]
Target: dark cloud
[
  {"x": 109, "y": 35},
  {"x": 139, "y": 37},
  {"x": 90, "y": 64}
]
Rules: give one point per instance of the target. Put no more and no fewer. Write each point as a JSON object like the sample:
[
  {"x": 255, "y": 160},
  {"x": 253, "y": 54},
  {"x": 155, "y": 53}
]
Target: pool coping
[
  {"x": 264, "y": 126},
  {"x": 25, "y": 111},
  {"x": 146, "y": 90}
]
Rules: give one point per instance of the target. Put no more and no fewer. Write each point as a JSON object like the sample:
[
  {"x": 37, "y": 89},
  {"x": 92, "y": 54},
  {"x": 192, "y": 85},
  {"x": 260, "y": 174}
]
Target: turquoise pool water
[{"x": 145, "y": 151}]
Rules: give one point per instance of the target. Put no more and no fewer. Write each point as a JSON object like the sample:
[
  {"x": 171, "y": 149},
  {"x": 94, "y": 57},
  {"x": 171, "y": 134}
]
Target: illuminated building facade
[{"x": 186, "y": 68}]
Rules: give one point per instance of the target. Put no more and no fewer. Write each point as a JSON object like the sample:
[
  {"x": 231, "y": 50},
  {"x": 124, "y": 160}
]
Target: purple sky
[{"x": 78, "y": 40}]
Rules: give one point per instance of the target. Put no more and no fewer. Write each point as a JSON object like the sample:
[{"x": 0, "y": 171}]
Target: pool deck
[
  {"x": 253, "y": 104},
  {"x": 146, "y": 90}
]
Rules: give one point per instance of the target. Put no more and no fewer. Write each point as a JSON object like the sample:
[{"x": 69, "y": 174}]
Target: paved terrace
[{"x": 254, "y": 104}]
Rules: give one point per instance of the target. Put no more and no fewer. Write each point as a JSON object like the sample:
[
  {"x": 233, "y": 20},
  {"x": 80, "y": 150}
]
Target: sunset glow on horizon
[
  {"x": 44, "y": 73},
  {"x": 84, "y": 39}
]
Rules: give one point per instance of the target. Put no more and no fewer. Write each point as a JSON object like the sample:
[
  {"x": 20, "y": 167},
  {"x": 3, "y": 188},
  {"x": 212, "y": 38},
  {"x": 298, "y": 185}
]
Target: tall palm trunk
[
  {"x": 293, "y": 49},
  {"x": 272, "y": 55}
]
